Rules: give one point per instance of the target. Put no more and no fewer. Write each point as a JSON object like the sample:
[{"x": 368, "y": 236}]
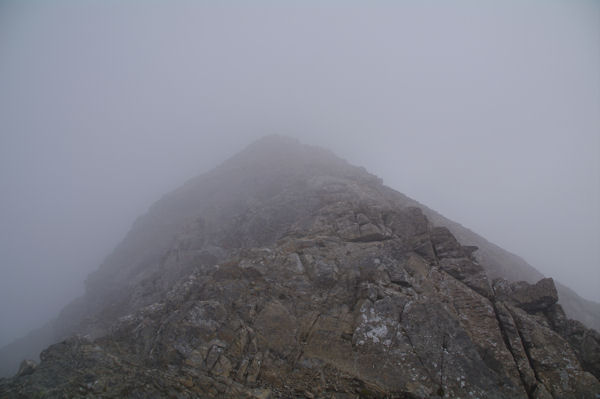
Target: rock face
[
  {"x": 532, "y": 298},
  {"x": 499, "y": 263},
  {"x": 288, "y": 273}
]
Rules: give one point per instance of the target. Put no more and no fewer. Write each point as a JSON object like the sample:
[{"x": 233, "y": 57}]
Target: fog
[{"x": 487, "y": 112}]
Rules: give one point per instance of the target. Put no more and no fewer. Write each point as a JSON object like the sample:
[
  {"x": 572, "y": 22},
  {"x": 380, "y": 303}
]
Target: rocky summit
[{"x": 288, "y": 273}]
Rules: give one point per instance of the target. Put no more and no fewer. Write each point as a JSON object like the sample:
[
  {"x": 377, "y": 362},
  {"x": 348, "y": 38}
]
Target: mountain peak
[
  {"x": 285, "y": 150},
  {"x": 286, "y": 263},
  {"x": 276, "y": 140}
]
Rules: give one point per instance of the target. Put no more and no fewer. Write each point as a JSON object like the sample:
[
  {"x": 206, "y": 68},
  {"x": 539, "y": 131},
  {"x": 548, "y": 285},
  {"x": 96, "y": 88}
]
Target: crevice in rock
[
  {"x": 443, "y": 348},
  {"x": 303, "y": 340},
  {"x": 310, "y": 331},
  {"x": 511, "y": 351},
  {"x": 401, "y": 314},
  {"x": 435, "y": 253},
  {"x": 421, "y": 362},
  {"x": 526, "y": 349}
]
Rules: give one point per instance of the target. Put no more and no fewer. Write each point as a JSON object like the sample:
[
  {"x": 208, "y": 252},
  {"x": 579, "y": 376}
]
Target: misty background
[{"x": 488, "y": 112}]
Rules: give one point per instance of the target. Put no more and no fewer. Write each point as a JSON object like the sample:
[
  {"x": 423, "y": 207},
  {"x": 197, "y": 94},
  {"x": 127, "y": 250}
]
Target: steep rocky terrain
[
  {"x": 287, "y": 272},
  {"x": 499, "y": 263}
]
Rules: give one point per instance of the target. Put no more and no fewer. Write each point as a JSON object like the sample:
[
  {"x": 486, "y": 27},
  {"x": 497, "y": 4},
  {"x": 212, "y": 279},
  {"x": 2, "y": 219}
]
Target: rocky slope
[
  {"x": 500, "y": 263},
  {"x": 287, "y": 272}
]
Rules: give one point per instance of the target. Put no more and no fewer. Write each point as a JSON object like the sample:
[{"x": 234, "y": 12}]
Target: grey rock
[
  {"x": 300, "y": 273},
  {"x": 584, "y": 341},
  {"x": 530, "y": 297},
  {"x": 27, "y": 367}
]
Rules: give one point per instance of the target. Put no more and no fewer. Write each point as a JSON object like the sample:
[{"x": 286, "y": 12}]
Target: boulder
[
  {"x": 27, "y": 367},
  {"x": 530, "y": 297}
]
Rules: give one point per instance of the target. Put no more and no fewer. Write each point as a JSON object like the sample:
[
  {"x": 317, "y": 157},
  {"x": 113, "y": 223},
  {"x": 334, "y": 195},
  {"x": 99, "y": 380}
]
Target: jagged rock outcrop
[
  {"x": 499, "y": 263},
  {"x": 27, "y": 367},
  {"x": 584, "y": 341},
  {"x": 532, "y": 298},
  {"x": 299, "y": 275}
]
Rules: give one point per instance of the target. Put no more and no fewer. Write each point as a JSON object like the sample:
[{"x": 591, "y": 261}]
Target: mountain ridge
[{"x": 278, "y": 193}]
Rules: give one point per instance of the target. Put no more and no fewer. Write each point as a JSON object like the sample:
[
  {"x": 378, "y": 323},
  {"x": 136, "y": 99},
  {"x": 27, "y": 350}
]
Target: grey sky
[{"x": 488, "y": 112}]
